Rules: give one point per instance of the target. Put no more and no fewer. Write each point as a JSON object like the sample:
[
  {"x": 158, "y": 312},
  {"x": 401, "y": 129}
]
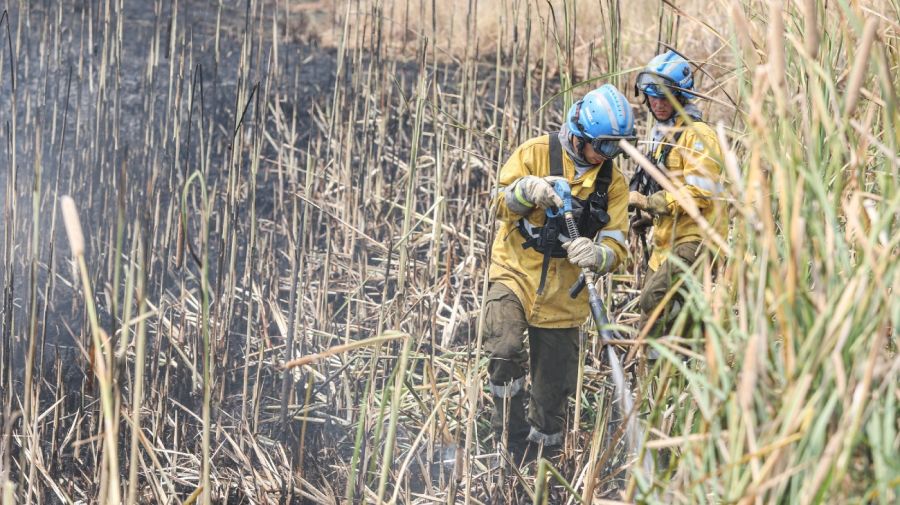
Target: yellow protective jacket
[
  {"x": 694, "y": 168},
  {"x": 519, "y": 269}
]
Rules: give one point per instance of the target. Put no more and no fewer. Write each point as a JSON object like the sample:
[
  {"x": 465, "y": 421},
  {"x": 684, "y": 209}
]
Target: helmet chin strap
[{"x": 581, "y": 144}]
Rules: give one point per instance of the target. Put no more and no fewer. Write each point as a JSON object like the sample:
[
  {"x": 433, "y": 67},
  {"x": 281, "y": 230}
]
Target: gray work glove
[
  {"x": 536, "y": 191},
  {"x": 655, "y": 204},
  {"x": 584, "y": 253}
]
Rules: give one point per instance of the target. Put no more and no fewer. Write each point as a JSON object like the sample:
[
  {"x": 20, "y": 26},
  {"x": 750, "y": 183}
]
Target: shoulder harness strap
[
  {"x": 556, "y": 164},
  {"x": 604, "y": 178},
  {"x": 550, "y": 231},
  {"x": 667, "y": 148}
]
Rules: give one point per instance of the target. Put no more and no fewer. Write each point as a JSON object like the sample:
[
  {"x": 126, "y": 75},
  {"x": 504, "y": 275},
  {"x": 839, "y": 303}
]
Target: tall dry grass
[{"x": 276, "y": 295}]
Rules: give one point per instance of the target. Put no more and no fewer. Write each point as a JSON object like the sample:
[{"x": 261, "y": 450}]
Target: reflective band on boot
[
  {"x": 508, "y": 390},
  {"x": 543, "y": 438}
]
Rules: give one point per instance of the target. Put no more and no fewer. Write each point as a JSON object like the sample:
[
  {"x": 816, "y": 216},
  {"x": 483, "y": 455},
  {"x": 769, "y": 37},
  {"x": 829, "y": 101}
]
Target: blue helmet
[
  {"x": 604, "y": 112},
  {"x": 601, "y": 118},
  {"x": 670, "y": 70}
]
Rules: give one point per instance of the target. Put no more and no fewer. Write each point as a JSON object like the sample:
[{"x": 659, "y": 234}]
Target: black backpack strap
[
  {"x": 545, "y": 265},
  {"x": 530, "y": 240},
  {"x": 641, "y": 181},
  {"x": 604, "y": 179},
  {"x": 667, "y": 148},
  {"x": 550, "y": 236},
  {"x": 556, "y": 164},
  {"x": 550, "y": 231}
]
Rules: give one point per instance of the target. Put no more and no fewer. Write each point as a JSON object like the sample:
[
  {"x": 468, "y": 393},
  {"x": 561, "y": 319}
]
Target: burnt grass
[{"x": 89, "y": 112}]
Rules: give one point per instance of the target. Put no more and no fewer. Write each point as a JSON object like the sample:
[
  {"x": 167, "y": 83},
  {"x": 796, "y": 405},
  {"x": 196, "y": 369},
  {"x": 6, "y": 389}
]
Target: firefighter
[
  {"x": 687, "y": 152},
  {"x": 534, "y": 263}
]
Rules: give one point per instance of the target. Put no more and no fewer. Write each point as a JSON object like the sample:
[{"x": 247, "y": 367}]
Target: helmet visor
[{"x": 652, "y": 84}]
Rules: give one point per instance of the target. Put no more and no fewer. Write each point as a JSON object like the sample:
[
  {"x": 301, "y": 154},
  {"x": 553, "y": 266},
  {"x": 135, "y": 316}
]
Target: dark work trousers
[
  {"x": 551, "y": 355},
  {"x": 657, "y": 284}
]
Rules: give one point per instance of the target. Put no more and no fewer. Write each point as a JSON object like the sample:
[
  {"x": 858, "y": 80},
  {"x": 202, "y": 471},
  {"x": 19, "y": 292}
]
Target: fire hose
[{"x": 601, "y": 321}]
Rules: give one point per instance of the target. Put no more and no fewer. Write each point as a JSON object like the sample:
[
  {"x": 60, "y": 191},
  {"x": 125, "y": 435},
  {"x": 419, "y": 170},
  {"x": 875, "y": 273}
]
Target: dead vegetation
[{"x": 268, "y": 183}]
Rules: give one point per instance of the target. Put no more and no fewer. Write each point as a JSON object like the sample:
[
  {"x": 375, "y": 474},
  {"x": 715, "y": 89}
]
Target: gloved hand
[
  {"x": 640, "y": 223},
  {"x": 655, "y": 204},
  {"x": 537, "y": 191},
  {"x": 583, "y": 252}
]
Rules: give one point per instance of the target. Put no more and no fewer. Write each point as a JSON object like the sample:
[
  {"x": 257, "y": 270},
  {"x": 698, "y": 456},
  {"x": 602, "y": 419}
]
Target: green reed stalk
[
  {"x": 397, "y": 393},
  {"x": 138, "y": 269},
  {"x": 109, "y": 485}
]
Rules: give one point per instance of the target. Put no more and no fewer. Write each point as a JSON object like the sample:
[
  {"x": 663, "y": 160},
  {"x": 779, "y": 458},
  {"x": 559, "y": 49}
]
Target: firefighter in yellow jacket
[
  {"x": 534, "y": 262},
  {"x": 687, "y": 152}
]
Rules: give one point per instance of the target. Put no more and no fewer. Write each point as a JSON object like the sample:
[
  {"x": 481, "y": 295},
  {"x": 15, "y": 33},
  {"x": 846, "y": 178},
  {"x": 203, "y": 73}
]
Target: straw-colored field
[{"x": 262, "y": 183}]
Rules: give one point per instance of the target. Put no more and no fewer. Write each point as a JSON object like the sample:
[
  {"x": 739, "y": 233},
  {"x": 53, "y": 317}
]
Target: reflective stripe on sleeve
[
  {"x": 521, "y": 198},
  {"x": 704, "y": 184},
  {"x": 514, "y": 200}
]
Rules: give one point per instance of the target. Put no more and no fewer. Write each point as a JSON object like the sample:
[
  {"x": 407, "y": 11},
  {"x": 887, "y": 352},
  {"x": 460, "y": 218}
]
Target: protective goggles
[
  {"x": 653, "y": 85},
  {"x": 607, "y": 145}
]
